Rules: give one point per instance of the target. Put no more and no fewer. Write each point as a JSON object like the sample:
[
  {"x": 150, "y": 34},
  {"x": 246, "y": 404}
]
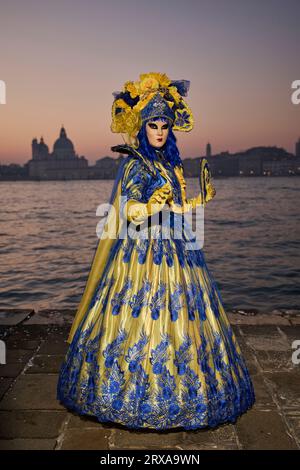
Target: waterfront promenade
[{"x": 32, "y": 418}]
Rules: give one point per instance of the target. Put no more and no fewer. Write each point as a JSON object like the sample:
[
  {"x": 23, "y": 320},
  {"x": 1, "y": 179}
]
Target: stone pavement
[{"x": 32, "y": 418}]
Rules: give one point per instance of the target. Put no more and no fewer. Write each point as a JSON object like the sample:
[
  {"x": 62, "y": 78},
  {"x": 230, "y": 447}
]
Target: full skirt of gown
[{"x": 156, "y": 349}]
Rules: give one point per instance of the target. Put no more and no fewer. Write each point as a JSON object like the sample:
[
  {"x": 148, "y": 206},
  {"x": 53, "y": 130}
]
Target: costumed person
[{"x": 151, "y": 345}]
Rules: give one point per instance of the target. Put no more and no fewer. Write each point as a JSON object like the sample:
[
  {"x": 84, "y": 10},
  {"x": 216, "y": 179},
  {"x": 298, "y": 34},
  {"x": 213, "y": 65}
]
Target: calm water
[{"x": 251, "y": 241}]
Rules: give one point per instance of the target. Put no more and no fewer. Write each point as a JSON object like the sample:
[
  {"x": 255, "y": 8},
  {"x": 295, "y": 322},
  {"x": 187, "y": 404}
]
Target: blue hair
[{"x": 170, "y": 149}]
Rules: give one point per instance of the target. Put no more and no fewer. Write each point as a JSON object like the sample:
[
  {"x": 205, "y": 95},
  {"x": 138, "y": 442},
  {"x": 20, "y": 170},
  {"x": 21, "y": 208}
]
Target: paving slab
[
  {"x": 266, "y": 319},
  {"x": 285, "y": 386},
  {"x": 51, "y": 317},
  {"x": 86, "y": 439},
  {"x": 147, "y": 439},
  {"x": 26, "y": 337},
  {"x": 5, "y": 383},
  {"x": 82, "y": 422},
  {"x": 272, "y": 361},
  {"x": 222, "y": 438},
  {"x": 45, "y": 364},
  {"x": 264, "y": 430},
  {"x": 56, "y": 341},
  {"x": 27, "y": 444},
  {"x": 32, "y": 392},
  {"x": 14, "y": 316},
  {"x": 31, "y": 424}
]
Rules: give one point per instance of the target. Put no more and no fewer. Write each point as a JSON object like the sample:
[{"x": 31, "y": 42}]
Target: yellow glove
[
  {"x": 188, "y": 204},
  {"x": 137, "y": 212}
]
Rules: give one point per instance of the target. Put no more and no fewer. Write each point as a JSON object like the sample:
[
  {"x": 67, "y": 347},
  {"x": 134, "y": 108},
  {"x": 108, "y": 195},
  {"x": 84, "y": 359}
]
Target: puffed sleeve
[
  {"x": 136, "y": 206},
  {"x": 135, "y": 181}
]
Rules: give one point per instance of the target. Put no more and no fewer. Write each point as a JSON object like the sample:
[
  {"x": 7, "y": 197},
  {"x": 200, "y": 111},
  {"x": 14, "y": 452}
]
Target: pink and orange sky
[{"x": 61, "y": 61}]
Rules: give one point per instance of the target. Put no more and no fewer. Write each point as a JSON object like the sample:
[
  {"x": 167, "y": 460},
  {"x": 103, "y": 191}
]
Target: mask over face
[{"x": 157, "y": 132}]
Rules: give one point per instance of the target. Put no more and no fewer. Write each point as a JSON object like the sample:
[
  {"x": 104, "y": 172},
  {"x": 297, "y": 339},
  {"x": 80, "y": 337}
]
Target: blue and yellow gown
[{"x": 151, "y": 345}]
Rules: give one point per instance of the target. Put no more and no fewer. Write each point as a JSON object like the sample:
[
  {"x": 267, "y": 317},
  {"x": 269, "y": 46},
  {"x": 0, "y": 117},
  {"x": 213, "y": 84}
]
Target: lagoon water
[{"x": 252, "y": 244}]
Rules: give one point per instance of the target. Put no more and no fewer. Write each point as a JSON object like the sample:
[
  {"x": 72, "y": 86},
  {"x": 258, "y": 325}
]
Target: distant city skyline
[
  {"x": 63, "y": 163},
  {"x": 208, "y": 151},
  {"x": 61, "y": 62},
  {"x": 295, "y": 151}
]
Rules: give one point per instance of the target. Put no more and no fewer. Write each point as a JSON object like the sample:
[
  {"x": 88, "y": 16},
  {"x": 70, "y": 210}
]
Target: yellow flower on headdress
[
  {"x": 132, "y": 88},
  {"x": 161, "y": 78},
  {"x": 149, "y": 82}
]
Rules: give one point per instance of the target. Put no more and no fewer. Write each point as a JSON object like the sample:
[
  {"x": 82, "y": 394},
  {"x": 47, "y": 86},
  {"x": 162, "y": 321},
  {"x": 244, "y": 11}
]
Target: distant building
[
  {"x": 108, "y": 166},
  {"x": 224, "y": 164},
  {"x": 284, "y": 167},
  {"x": 208, "y": 150},
  {"x": 62, "y": 163},
  {"x": 297, "y": 148},
  {"x": 256, "y": 161}
]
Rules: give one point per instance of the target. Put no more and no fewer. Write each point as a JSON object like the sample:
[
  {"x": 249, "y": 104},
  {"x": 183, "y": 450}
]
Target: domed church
[
  {"x": 63, "y": 147},
  {"x": 62, "y": 163}
]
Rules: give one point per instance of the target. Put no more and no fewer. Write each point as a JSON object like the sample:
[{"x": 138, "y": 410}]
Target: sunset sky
[{"x": 61, "y": 61}]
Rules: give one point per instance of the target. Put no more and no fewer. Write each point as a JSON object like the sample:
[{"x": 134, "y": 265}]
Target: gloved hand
[
  {"x": 137, "y": 212},
  {"x": 188, "y": 204},
  {"x": 160, "y": 196}
]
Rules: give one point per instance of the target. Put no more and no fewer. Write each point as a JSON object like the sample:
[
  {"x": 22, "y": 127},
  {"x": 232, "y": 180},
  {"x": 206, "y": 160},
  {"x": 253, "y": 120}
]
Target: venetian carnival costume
[{"x": 151, "y": 345}]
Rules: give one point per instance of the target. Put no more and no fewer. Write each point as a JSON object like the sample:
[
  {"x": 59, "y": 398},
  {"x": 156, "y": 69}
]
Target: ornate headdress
[{"x": 154, "y": 95}]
